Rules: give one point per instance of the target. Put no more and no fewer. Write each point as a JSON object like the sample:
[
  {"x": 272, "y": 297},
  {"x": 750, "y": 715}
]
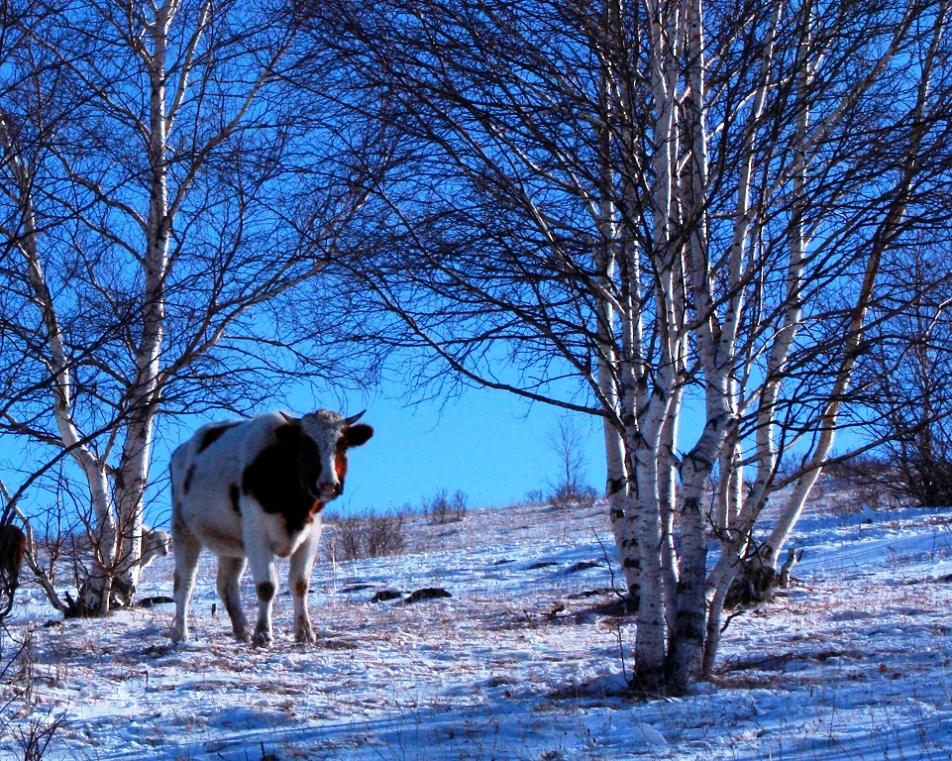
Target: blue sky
[{"x": 489, "y": 444}]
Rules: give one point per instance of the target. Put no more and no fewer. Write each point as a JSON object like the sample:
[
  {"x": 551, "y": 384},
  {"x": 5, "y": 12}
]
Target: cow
[
  {"x": 251, "y": 490},
  {"x": 155, "y": 544},
  {"x": 12, "y": 551}
]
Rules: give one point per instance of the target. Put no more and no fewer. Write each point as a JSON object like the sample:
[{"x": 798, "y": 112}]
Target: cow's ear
[{"x": 356, "y": 435}]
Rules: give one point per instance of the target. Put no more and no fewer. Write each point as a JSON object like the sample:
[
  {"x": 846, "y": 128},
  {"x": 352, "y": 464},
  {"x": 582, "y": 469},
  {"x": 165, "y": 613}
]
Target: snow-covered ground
[{"x": 853, "y": 662}]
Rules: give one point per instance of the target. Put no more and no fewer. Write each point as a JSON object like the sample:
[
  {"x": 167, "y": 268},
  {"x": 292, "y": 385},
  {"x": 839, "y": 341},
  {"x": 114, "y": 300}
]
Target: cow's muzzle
[{"x": 328, "y": 491}]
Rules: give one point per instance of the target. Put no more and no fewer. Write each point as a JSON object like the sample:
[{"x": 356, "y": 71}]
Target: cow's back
[{"x": 206, "y": 475}]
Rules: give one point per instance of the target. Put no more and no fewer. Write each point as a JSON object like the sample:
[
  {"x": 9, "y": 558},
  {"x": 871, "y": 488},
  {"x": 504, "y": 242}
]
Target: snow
[{"x": 852, "y": 662}]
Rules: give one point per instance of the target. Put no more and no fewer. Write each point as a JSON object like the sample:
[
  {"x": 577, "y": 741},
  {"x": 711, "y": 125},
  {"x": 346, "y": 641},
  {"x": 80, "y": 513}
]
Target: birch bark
[
  {"x": 144, "y": 390},
  {"x": 610, "y": 249}
]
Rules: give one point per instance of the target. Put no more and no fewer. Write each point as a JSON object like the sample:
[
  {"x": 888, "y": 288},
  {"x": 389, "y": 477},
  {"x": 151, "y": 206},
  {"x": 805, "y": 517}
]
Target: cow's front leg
[
  {"x": 299, "y": 580},
  {"x": 229, "y": 574},
  {"x": 266, "y": 586}
]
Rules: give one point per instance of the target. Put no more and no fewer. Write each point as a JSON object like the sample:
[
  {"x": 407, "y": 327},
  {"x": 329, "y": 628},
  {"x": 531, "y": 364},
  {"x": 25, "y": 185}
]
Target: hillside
[{"x": 853, "y": 662}]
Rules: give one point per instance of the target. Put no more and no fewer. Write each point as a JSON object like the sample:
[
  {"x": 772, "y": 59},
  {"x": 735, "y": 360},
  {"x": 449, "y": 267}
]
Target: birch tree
[
  {"x": 158, "y": 257},
  {"x": 685, "y": 209}
]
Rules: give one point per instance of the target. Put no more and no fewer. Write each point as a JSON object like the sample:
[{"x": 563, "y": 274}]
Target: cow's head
[
  {"x": 155, "y": 544},
  {"x": 327, "y": 437}
]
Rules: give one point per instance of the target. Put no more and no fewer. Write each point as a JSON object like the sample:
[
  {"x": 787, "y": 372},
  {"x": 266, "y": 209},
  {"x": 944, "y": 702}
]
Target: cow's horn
[
  {"x": 354, "y": 418},
  {"x": 290, "y": 419}
]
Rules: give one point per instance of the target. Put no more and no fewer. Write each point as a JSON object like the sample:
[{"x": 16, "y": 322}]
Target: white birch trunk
[
  {"x": 715, "y": 348},
  {"x": 730, "y": 486},
  {"x": 144, "y": 390},
  {"x": 652, "y": 384},
  {"x": 651, "y": 633},
  {"x": 617, "y": 489},
  {"x": 668, "y": 497},
  {"x": 736, "y": 515}
]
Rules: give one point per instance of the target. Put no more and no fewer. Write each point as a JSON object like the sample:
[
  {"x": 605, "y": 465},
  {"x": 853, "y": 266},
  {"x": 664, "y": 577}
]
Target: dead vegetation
[{"x": 368, "y": 536}]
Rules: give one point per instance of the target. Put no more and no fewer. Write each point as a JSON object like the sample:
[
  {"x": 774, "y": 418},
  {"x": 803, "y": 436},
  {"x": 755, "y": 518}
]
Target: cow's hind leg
[
  {"x": 186, "y": 547},
  {"x": 229, "y": 574},
  {"x": 299, "y": 579}
]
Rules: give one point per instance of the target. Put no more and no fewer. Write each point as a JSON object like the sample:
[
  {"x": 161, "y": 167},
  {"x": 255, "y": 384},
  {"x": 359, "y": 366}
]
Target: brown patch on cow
[
  {"x": 176, "y": 583},
  {"x": 212, "y": 435},
  {"x": 340, "y": 462},
  {"x": 281, "y": 476},
  {"x": 188, "y": 479},
  {"x": 300, "y": 587},
  {"x": 235, "y": 495},
  {"x": 265, "y": 590}
]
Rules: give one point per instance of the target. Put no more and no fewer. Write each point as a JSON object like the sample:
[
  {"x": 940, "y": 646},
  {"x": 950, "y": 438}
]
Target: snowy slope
[{"x": 853, "y": 662}]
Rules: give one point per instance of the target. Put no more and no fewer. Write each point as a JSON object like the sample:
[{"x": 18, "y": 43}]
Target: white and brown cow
[{"x": 251, "y": 490}]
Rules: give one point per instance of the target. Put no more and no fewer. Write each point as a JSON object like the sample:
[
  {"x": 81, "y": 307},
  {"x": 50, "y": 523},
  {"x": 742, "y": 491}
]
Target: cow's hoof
[
  {"x": 303, "y": 631},
  {"x": 263, "y": 639},
  {"x": 242, "y": 635}
]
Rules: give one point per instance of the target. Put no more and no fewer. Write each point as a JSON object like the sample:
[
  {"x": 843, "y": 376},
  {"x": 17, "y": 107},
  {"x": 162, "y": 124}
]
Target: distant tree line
[{"x": 637, "y": 211}]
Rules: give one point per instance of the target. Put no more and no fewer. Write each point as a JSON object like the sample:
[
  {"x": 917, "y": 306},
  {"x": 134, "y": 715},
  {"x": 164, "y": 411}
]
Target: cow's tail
[{"x": 173, "y": 487}]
